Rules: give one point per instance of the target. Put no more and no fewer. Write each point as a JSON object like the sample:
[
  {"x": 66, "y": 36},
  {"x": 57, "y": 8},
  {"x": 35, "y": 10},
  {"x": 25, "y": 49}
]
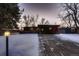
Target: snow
[
  {"x": 21, "y": 45},
  {"x": 70, "y": 37},
  {"x": 2, "y": 46}
]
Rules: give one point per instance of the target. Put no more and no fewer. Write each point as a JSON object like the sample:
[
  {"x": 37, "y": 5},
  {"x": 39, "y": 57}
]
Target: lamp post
[{"x": 7, "y": 34}]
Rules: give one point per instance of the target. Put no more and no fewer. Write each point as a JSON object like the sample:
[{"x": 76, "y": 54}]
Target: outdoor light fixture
[{"x": 7, "y": 34}]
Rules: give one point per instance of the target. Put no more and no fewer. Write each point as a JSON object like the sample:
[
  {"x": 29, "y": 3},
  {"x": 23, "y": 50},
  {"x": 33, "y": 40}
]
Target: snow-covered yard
[
  {"x": 28, "y": 44},
  {"x": 21, "y": 44},
  {"x": 69, "y": 37}
]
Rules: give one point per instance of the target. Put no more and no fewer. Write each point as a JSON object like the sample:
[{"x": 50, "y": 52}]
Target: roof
[{"x": 48, "y": 25}]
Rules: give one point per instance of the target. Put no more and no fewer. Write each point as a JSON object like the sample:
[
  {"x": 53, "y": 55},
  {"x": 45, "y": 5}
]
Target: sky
[{"x": 49, "y": 11}]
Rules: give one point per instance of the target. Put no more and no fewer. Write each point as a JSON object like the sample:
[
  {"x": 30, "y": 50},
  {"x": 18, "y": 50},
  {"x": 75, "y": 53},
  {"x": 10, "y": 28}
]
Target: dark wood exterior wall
[
  {"x": 31, "y": 29},
  {"x": 42, "y": 29},
  {"x": 48, "y": 29}
]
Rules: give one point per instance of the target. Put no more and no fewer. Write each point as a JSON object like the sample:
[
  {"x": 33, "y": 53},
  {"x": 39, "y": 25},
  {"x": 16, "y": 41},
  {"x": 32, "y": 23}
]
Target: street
[{"x": 50, "y": 45}]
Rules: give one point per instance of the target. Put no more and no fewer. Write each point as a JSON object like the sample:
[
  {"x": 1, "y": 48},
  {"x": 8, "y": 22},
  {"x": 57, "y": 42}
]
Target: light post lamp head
[{"x": 6, "y": 33}]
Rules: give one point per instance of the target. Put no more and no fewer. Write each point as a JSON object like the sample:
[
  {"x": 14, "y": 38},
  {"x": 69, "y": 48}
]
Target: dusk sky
[{"x": 49, "y": 11}]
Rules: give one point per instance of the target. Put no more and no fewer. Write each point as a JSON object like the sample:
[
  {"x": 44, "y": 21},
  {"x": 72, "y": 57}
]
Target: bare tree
[
  {"x": 44, "y": 22},
  {"x": 71, "y": 14},
  {"x": 30, "y": 20}
]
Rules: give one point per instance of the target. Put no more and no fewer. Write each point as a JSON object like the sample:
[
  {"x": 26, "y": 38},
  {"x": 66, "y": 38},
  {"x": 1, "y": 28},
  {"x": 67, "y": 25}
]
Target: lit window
[
  {"x": 31, "y": 28},
  {"x": 50, "y": 28},
  {"x": 42, "y": 29}
]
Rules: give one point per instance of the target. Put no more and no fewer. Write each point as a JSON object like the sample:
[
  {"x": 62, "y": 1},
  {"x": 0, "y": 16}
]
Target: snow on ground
[
  {"x": 2, "y": 46},
  {"x": 21, "y": 45},
  {"x": 70, "y": 37}
]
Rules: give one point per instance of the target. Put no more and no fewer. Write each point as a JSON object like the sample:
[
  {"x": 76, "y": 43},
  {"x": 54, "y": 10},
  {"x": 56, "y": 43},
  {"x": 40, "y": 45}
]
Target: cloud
[{"x": 47, "y": 10}]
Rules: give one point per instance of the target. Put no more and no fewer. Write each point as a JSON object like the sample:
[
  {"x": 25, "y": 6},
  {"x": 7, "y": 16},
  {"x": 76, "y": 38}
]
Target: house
[
  {"x": 43, "y": 29},
  {"x": 48, "y": 29},
  {"x": 30, "y": 30},
  {"x": 12, "y": 31},
  {"x": 67, "y": 30}
]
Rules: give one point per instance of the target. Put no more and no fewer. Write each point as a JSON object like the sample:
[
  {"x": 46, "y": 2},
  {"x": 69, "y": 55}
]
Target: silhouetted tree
[
  {"x": 30, "y": 20},
  {"x": 71, "y": 14},
  {"x": 44, "y": 22},
  {"x": 9, "y": 15},
  {"x": 33, "y": 21}
]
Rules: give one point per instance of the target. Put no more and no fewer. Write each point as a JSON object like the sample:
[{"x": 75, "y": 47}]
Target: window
[{"x": 50, "y": 28}]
